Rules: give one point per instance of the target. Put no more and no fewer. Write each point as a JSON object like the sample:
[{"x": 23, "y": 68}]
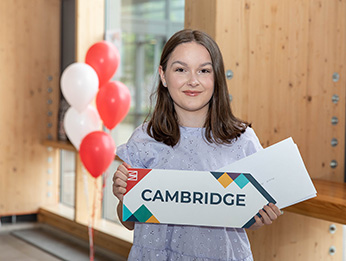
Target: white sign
[
  {"x": 193, "y": 198},
  {"x": 229, "y": 197}
]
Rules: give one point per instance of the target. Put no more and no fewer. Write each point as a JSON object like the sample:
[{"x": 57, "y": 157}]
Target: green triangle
[{"x": 142, "y": 214}]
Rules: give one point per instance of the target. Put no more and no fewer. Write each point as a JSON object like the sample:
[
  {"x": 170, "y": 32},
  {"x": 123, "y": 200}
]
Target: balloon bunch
[{"x": 80, "y": 84}]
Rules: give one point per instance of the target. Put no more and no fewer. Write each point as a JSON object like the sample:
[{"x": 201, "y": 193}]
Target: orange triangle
[{"x": 152, "y": 219}]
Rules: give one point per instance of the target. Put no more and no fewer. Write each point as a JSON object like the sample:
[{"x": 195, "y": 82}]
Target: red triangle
[{"x": 135, "y": 176}]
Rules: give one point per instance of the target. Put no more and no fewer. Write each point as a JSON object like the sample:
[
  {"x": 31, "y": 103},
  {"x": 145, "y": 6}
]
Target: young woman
[{"x": 191, "y": 128}]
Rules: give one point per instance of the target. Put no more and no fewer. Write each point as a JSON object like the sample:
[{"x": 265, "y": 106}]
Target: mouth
[{"x": 191, "y": 93}]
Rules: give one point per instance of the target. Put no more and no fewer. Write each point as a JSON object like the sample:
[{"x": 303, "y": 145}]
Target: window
[
  {"x": 67, "y": 177},
  {"x": 139, "y": 29}
]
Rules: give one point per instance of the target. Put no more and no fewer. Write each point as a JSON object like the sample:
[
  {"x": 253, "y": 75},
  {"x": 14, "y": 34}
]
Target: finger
[
  {"x": 123, "y": 169},
  {"x": 119, "y": 192},
  {"x": 265, "y": 217},
  {"x": 121, "y": 172},
  {"x": 259, "y": 221},
  {"x": 276, "y": 210},
  {"x": 127, "y": 165},
  {"x": 119, "y": 182},
  {"x": 119, "y": 175},
  {"x": 270, "y": 212}
]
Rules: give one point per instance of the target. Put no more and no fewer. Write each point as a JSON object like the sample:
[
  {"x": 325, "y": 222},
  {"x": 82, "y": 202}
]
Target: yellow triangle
[{"x": 152, "y": 219}]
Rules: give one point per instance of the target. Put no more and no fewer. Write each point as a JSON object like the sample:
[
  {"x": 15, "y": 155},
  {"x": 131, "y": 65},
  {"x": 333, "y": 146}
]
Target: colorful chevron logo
[
  {"x": 226, "y": 178},
  {"x": 142, "y": 214}
]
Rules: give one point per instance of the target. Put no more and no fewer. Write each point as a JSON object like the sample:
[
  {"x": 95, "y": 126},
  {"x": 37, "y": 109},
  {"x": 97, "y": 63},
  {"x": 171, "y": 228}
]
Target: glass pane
[
  {"x": 149, "y": 10},
  {"x": 67, "y": 177},
  {"x": 139, "y": 28},
  {"x": 110, "y": 202}
]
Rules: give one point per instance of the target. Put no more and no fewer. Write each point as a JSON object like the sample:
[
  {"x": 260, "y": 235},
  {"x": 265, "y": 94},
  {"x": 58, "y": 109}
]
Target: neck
[{"x": 192, "y": 120}]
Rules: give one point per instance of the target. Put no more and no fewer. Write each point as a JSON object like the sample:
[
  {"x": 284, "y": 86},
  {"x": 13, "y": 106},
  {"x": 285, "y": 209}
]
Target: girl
[{"x": 191, "y": 128}]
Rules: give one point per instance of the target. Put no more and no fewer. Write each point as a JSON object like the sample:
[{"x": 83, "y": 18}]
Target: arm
[
  {"x": 119, "y": 188},
  {"x": 269, "y": 213}
]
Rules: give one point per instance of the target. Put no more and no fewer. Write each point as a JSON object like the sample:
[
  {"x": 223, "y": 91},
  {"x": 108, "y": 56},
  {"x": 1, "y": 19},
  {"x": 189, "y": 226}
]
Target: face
[{"x": 189, "y": 78}]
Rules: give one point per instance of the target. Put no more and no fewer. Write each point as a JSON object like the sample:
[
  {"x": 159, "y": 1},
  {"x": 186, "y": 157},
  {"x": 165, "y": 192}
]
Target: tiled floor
[{"x": 30, "y": 242}]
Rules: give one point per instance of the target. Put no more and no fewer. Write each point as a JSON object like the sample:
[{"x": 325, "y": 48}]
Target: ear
[{"x": 162, "y": 76}]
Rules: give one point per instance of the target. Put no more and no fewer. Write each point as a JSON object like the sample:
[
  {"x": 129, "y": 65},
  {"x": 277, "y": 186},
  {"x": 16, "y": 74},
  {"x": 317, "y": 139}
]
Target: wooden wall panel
[
  {"x": 90, "y": 28},
  {"x": 296, "y": 237},
  {"x": 90, "y": 25},
  {"x": 195, "y": 9},
  {"x": 29, "y": 90},
  {"x": 283, "y": 55}
]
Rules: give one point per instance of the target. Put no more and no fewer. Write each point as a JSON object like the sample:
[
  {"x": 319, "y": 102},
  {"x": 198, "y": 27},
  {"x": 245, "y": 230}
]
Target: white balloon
[
  {"x": 79, "y": 124},
  {"x": 79, "y": 85}
]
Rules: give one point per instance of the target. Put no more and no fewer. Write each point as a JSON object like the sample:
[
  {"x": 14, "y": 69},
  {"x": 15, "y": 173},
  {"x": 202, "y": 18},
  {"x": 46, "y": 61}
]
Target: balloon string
[
  {"x": 91, "y": 226},
  {"x": 91, "y": 242},
  {"x": 92, "y": 221},
  {"x": 105, "y": 176}
]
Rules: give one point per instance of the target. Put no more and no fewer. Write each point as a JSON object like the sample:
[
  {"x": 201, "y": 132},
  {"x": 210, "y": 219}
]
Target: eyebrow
[{"x": 185, "y": 64}]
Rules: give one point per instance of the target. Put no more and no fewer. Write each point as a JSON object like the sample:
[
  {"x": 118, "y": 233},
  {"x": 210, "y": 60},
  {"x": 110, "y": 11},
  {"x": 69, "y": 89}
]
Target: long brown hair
[{"x": 221, "y": 126}]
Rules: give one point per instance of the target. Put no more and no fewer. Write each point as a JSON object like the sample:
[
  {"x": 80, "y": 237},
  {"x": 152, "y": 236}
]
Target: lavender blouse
[{"x": 186, "y": 243}]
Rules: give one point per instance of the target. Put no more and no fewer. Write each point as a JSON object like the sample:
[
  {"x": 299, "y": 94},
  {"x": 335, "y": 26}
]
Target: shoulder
[
  {"x": 140, "y": 133},
  {"x": 250, "y": 141},
  {"x": 139, "y": 150},
  {"x": 249, "y": 133}
]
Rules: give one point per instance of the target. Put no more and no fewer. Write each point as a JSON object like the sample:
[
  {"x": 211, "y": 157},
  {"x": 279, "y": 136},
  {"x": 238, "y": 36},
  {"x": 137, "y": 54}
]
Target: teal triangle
[
  {"x": 126, "y": 213},
  {"x": 217, "y": 175},
  {"x": 142, "y": 214}
]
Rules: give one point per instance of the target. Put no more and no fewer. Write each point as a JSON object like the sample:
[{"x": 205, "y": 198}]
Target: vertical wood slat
[
  {"x": 89, "y": 30},
  {"x": 283, "y": 55},
  {"x": 199, "y": 14},
  {"x": 90, "y": 25},
  {"x": 29, "y": 89}
]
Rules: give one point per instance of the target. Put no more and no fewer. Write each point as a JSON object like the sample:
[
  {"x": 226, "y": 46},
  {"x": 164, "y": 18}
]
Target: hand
[
  {"x": 120, "y": 180},
  {"x": 269, "y": 213}
]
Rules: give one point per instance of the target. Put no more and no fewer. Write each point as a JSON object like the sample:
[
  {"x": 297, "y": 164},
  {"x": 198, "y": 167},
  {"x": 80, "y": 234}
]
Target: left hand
[{"x": 269, "y": 213}]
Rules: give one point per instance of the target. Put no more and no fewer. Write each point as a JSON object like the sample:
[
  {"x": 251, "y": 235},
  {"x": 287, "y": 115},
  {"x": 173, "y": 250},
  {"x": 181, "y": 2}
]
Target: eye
[
  {"x": 179, "y": 69},
  {"x": 205, "y": 70}
]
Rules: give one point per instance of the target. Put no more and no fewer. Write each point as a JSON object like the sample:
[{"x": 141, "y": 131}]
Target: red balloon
[
  {"x": 104, "y": 57},
  {"x": 113, "y": 103},
  {"x": 97, "y": 151}
]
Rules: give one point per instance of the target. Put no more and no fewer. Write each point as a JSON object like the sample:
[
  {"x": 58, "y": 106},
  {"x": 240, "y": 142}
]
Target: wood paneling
[
  {"x": 296, "y": 237},
  {"x": 201, "y": 8},
  {"x": 29, "y": 94},
  {"x": 90, "y": 25},
  {"x": 283, "y": 55},
  {"x": 89, "y": 30}
]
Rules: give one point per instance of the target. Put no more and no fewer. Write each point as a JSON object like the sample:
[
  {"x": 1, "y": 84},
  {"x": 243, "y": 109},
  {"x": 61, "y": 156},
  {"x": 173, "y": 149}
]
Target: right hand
[{"x": 120, "y": 180}]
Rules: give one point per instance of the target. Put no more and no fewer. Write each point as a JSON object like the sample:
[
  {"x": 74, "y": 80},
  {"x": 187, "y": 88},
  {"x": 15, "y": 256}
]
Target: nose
[{"x": 193, "y": 81}]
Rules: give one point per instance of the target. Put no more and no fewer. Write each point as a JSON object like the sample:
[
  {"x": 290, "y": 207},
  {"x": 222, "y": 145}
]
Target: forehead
[{"x": 192, "y": 51}]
